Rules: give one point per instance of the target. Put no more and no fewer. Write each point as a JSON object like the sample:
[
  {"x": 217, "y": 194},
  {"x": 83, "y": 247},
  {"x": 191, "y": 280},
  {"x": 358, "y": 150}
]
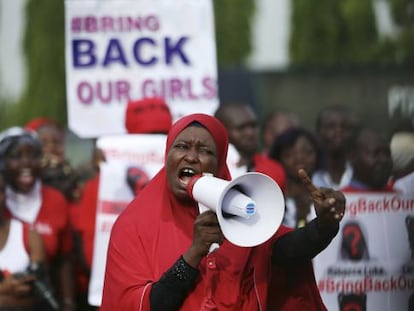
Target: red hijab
[
  {"x": 215, "y": 128},
  {"x": 156, "y": 229}
]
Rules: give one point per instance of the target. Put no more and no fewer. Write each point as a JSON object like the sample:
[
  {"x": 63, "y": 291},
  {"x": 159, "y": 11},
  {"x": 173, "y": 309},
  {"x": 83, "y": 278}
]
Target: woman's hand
[
  {"x": 206, "y": 232},
  {"x": 329, "y": 203}
]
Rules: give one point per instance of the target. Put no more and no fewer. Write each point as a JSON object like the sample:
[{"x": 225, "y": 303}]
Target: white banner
[
  {"x": 131, "y": 161},
  {"x": 369, "y": 265},
  {"x": 127, "y": 49}
]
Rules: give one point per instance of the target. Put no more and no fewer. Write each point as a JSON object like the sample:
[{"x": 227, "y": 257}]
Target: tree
[
  {"x": 233, "y": 30},
  {"x": 45, "y": 62},
  {"x": 330, "y": 33},
  {"x": 403, "y": 14}
]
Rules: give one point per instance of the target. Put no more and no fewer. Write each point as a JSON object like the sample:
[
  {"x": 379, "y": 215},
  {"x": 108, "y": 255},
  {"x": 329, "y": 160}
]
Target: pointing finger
[{"x": 315, "y": 192}]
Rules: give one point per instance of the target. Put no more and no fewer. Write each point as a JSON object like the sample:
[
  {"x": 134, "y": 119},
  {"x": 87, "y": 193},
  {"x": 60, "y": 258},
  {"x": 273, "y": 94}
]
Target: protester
[
  {"x": 20, "y": 247},
  {"x": 369, "y": 220},
  {"x": 297, "y": 148},
  {"x": 243, "y": 130},
  {"x": 402, "y": 152},
  {"x": 158, "y": 256},
  {"x": 57, "y": 171},
  {"x": 370, "y": 158},
  {"x": 40, "y": 206},
  {"x": 275, "y": 124},
  {"x": 143, "y": 116},
  {"x": 333, "y": 126}
]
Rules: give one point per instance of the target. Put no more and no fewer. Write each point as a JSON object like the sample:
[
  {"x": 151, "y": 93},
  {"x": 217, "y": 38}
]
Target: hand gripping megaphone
[{"x": 249, "y": 208}]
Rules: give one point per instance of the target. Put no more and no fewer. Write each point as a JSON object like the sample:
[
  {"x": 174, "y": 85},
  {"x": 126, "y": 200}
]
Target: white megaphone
[{"x": 249, "y": 208}]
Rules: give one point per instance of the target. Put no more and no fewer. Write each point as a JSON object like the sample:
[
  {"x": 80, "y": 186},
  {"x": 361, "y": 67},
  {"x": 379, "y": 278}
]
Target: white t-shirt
[
  {"x": 14, "y": 256},
  {"x": 405, "y": 185},
  {"x": 322, "y": 178}
]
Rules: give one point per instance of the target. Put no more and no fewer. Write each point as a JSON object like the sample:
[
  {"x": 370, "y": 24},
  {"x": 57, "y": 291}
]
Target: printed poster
[
  {"x": 131, "y": 161},
  {"x": 369, "y": 266},
  {"x": 127, "y": 49}
]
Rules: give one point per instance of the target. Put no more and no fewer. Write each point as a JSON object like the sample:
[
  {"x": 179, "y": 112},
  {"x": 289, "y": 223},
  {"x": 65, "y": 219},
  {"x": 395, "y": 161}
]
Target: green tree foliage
[
  {"x": 332, "y": 32},
  {"x": 45, "y": 62},
  {"x": 403, "y": 15},
  {"x": 233, "y": 25}
]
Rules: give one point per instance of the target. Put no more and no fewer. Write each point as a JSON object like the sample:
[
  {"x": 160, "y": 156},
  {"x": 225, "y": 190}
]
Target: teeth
[
  {"x": 26, "y": 172},
  {"x": 188, "y": 171}
]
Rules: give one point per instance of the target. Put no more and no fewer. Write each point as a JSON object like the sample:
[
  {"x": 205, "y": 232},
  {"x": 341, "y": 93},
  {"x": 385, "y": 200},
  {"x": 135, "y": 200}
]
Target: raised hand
[
  {"x": 206, "y": 232},
  {"x": 329, "y": 203}
]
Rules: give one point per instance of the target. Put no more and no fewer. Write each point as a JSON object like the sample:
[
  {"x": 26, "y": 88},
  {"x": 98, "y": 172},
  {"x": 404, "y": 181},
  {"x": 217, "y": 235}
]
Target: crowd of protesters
[{"x": 49, "y": 206}]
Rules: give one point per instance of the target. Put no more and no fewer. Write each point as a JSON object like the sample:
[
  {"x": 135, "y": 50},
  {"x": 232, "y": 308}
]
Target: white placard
[
  {"x": 369, "y": 265},
  {"x": 143, "y": 152},
  {"x": 127, "y": 49}
]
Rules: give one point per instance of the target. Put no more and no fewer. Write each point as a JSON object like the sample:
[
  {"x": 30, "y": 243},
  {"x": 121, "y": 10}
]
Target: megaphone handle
[
  {"x": 213, "y": 247},
  {"x": 202, "y": 208}
]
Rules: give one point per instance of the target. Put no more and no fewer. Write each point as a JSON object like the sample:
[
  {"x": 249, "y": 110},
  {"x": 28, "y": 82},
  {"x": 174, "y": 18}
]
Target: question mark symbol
[
  {"x": 352, "y": 306},
  {"x": 352, "y": 302},
  {"x": 353, "y": 234}
]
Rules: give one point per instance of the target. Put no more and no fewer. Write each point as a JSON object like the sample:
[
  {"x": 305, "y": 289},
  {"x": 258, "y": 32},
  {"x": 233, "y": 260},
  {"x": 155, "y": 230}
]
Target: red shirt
[
  {"x": 52, "y": 223},
  {"x": 84, "y": 216}
]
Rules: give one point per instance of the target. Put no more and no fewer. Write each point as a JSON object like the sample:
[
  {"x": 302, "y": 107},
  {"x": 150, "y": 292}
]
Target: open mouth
[
  {"x": 186, "y": 174},
  {"x": 26, "y": 177}
]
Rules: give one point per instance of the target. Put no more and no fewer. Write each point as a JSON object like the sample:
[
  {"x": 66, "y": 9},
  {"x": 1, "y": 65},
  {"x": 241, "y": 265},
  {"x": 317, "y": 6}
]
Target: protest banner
[
  {"x": 131, "y": 161},
  {"x": 369, "y": 265},
  {"x": 123, "y": 50}
]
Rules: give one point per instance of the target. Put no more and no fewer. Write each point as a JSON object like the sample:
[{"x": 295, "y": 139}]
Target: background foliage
[
  {"x": 233, "y": 24},
  {"x": 43, "y": 48},
  {"x": 338, "y": 33},
  {"x": 330, "y": 33},
  {"x": 403, "y": 14}
]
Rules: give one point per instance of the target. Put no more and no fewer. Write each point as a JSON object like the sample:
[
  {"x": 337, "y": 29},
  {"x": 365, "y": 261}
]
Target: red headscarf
[
  {"x": 156, "y": 229},
  {"x": 216, "y": 129}
]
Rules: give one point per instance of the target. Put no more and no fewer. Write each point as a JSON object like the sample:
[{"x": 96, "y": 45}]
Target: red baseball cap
[{"x": 148, "y": 115}]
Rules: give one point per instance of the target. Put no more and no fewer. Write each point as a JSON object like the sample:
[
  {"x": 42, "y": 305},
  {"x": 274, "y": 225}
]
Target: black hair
[
  {"x": 288, "y": 138},
  {"x": 221, "y": 112},
  {"x": 332, "y": 108}
]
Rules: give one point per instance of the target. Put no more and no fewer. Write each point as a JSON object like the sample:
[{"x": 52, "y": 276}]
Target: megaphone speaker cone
[{"x": 249, "y": 208}]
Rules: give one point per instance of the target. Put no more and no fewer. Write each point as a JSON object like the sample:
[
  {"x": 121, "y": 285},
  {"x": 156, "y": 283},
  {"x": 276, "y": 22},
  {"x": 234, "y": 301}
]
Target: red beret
[{"x": 148, "y": 115}]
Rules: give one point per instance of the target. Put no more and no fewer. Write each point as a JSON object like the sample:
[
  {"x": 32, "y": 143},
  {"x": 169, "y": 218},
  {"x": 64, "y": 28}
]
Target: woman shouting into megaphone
[{"x": 159, "y": 252}]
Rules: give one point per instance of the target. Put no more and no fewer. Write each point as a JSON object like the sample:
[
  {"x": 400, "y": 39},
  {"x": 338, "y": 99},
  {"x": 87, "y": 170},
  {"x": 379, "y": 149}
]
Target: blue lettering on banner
[
  {"x": 114, "y": 53},
  {"x": 85, "y": 55},
  {"x": 171, "y": 50},
  {"x": 137, "y": 48}
]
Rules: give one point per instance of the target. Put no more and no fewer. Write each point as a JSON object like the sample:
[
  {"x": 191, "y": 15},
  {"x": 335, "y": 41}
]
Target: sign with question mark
[
  {"x": 369, "y": 264},
  {"x": 354, "y": 246}
]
